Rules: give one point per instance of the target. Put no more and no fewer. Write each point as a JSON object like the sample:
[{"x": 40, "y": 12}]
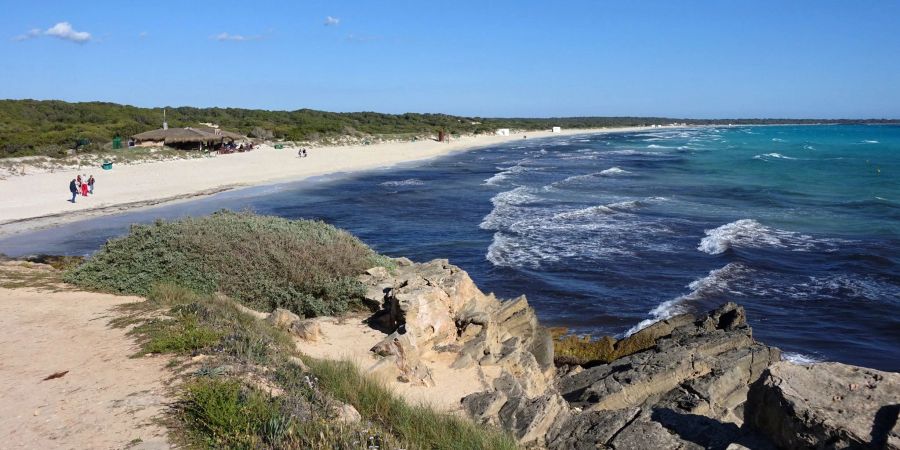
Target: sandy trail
[
  {"x": 42, "y": 198},
  {"x": 106, "y": 400}
]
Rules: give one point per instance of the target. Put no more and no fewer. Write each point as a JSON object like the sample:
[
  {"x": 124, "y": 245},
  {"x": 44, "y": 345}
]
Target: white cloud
[
  {"x": 64, "y": 30},
  {"x": 332, "y": 21},
  {"x": 231, "y": 37},
  {"x": 31, "y": 34},
  {"x": 143, "y": 34}
]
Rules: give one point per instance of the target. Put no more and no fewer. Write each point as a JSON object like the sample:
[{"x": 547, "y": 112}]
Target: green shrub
[
  {"x": 225, "y": 413},
  {"x": 179, "y": 335},
  {"x": 264, "y": 262}
]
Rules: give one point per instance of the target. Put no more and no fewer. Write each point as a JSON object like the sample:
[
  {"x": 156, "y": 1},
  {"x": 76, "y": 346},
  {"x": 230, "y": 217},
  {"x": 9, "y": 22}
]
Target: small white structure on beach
[
  {"x": 556, "y": 130},
  {"x": 502, "y": 132}
]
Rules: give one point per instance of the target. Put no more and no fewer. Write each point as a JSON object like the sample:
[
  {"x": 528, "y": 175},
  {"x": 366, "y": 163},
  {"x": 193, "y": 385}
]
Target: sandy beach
[{"x": 40, "y": 200}]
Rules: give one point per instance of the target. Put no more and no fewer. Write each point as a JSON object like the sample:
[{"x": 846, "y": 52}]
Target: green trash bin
[
  {"x": 107, "y": 165},
  {"x": 117, "y": 143},
  {"x": 279, "y": 146}
]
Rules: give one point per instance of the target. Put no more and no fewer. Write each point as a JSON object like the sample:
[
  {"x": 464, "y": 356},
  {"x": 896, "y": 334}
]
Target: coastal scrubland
[
  {"x": 244, "y": 383},
  {"x": 307, "y": 267},
  {"x": 51, "y": 128}
]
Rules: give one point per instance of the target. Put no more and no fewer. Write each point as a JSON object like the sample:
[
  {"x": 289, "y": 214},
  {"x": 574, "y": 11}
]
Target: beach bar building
[{"x": 187, "y": 138}]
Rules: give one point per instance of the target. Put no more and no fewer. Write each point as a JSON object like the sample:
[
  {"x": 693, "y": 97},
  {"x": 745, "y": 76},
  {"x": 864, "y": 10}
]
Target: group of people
[
  {"x": 231, "y": 147},
  {"x": 82, "y": 186},
  {"x": 302, "y": 153}
]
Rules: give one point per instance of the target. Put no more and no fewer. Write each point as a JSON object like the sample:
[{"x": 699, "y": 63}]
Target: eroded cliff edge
[{"x": 699, "y": 382}]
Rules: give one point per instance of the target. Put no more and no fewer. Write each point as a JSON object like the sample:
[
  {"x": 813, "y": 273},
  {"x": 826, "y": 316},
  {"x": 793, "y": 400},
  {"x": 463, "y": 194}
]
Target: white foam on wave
[
  {"x": 504, "y": 174},
  {"x": 716, "y": 282},
  {"x": 632, "y": 153},
  {"x": 870, "y": 142},
  {"x": 584, "y": 212},
  {"x": 778, "y": 140},
  {"x": 407, "y": 182},
  {"x": 658, "y": 146},
  {"x": 799, "y": 358},
  {"x": 752, "y": 234},
  {"x": 613, "y": 171},
  {"x": 766, "y": 156},
  {"x": 506, "y": 205}
]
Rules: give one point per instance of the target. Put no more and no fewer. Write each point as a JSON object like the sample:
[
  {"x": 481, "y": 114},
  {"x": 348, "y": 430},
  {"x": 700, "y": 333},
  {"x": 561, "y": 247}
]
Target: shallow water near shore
[{"x": 800, "y": 224}]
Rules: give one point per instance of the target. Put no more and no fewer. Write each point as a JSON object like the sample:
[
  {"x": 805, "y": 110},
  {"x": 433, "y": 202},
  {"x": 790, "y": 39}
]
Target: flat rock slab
[{"x": 827, "y": 405}]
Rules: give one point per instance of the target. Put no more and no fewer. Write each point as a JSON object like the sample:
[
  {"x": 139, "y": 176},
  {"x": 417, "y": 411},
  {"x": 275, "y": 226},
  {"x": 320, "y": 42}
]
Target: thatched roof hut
[{"x": 200, "y": 135}]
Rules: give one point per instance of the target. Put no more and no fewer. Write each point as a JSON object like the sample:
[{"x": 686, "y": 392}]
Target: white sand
[
  {"x": 105, "y": 400},
  {"x": 349, "y": 339},
  {"x": 41, "y": 199}
]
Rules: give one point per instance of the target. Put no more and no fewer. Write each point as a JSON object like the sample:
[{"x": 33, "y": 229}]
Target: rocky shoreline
[{"x": 701, "y": 382}]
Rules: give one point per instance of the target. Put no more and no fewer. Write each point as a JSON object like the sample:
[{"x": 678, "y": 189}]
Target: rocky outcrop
[
  {"x": 694, "y": 376},
  {"x": 436, "y": 307},
  {"x": 683, "y": 383},
  {"x": 827, "y": 405}
]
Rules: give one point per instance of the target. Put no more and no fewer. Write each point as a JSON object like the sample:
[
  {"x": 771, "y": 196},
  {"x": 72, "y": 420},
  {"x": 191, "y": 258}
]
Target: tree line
[{"x": 52, "y": 127}]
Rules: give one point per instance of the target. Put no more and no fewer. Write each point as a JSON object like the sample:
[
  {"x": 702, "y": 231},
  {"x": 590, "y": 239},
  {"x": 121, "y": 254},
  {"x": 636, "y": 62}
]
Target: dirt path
[{"x": 105, "y": 400}]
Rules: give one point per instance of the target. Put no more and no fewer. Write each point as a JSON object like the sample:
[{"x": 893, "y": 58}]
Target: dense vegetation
[
  {"x": 308, "y": 267},
  {"x": 29, "y": 127}
]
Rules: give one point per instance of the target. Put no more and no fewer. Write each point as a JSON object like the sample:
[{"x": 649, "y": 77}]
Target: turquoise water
[{"x": 800, "y": 224}]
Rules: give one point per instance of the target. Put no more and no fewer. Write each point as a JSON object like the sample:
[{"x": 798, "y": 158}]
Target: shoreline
[{"x": 156, "y": 183}]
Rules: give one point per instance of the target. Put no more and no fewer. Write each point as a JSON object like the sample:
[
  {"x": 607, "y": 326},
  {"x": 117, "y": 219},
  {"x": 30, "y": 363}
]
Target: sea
[{"x": 606, "y": 233}]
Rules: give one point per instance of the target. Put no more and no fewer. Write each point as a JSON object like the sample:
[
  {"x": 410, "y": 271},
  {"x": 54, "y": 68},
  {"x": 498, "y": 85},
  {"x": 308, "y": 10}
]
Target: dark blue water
[{"x": 801, "y": 225}]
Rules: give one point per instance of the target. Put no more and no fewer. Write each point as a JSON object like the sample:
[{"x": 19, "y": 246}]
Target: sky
[{"x": 496, "y": 58}]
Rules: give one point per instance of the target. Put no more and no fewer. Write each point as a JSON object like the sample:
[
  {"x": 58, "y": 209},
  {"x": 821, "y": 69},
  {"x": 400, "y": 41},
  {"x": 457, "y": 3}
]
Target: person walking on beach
[
  {"x": 73, "y": 188},
  {"x": 84, "y": 189},
  {"x": 91, "y": 185}
]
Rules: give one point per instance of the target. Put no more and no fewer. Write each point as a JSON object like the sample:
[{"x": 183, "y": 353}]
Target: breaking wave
[
  {"x": 772, "y": 156},
  {"x": 715, "y": 283},
  {"x": 752, "y": 234}
]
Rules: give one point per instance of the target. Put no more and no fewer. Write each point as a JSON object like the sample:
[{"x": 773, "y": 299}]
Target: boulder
[
  {"x": 346, "y": 413},
  {"x": 282, "y": 318},
  {"x": 826, "y": 405},
  {"x": 308, "y": 329}
]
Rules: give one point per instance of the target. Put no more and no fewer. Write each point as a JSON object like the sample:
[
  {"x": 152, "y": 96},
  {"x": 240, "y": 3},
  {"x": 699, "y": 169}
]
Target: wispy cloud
[
  {"x": 31, "y": 34},
  {"x": 225, "y": 37},
  {"x": 332, "y": 21},
  {"x": 62, "y": 30},
  {"x": 143, "y": 34}
]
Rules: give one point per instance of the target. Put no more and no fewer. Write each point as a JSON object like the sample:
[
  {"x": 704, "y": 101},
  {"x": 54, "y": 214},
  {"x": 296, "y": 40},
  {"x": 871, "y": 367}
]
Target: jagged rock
[
  {"x": 435, "y": 306},
  {"x": 697, "y": 368},
  {"x": 647, "y": 434},
  {"x": 282, "y": 318},
  {"x": 827, "y": 405},
  {"x": 590, "y": 430},
  {"x": 308, "y": 329}
]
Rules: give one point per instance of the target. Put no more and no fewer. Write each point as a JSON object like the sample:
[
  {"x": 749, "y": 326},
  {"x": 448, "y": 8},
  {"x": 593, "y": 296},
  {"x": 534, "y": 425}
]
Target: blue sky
[{"x": 823, "y": 58}]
